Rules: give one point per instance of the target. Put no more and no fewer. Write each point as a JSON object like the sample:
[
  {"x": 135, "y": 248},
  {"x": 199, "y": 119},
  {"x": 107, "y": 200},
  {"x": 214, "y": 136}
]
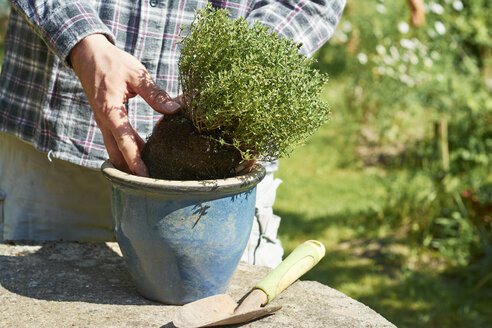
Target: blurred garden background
[{"x": 398, "y": 186}]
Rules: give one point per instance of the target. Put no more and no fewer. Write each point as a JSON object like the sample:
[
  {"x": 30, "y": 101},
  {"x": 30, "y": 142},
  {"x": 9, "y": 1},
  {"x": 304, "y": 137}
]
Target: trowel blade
[
  {"x": 244, "y": 317},
  {"x": 215, "y": 310}
]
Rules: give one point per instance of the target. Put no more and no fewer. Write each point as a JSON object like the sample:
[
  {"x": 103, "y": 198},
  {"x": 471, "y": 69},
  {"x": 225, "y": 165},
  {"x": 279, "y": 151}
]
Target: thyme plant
[{"x": 247, "y": 86}]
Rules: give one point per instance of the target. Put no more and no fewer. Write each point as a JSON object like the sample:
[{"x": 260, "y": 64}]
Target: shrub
[
  {"x": 403, "y": 79},
  {"x": 248, "y": 84},
  {"x": 400, "y": 81}
]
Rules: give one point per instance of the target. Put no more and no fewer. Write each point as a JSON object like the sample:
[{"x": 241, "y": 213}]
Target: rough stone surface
[{"x": 87, "y": 285}]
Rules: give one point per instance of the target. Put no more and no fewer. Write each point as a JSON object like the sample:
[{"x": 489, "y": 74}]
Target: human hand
[{"x": 110, "y": 77}]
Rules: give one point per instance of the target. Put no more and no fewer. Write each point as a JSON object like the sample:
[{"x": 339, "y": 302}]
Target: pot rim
[{"x": 239, "y": 183}]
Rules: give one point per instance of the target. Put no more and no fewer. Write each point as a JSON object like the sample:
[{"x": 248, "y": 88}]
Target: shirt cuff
[
  {"x": 307, "y": 22},
  {"x": 69, "y": 24}
]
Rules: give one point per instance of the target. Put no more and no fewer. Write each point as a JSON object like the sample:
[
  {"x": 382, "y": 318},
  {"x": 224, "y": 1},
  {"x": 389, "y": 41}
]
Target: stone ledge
[{"x": 87, "y": 285}]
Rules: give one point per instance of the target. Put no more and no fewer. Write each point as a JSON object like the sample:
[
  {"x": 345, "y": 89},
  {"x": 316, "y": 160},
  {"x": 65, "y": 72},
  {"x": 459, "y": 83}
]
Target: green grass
[{"x": 344, "y": 207}]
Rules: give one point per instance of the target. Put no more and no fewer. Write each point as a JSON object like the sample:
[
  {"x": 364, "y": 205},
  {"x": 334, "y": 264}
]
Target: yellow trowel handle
[{"x": 300, "y": 261}]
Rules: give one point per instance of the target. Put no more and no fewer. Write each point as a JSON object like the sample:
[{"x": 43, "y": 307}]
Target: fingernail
[
  {"x": 158, "y": 122},
  {"x": 171, "y": 106},
  {"x": 143, "y": 172}
]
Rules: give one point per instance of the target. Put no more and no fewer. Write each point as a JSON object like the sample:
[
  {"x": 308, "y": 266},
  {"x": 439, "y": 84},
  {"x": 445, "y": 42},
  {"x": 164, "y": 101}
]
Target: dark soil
[{"x": 175, "y": 151}]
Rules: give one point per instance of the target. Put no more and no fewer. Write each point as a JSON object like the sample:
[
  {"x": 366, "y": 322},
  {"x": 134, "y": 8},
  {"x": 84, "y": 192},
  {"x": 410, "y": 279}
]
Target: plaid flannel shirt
[{"x": 41, "y": 99}]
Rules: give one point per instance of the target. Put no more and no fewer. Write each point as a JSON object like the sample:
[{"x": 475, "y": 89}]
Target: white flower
[
  {"x": 380, "y": 8},
  {"x": 488, "y": 84},
  {"x": 362, "y": 57},
  {"x": 403, "y": 27},
  {"x": 440, "y": 28},
  {"x": 436, "y": 8},
  {"x": 428, "y": 62},
  {"x": 404, "y": 78},
  {"x": 407, "y": 44},
  {"x": 394, "y": 53},
  {"x": 388, "y": 60},
  {"x": 435, "y": 55},
  {"x": 358, "y": 91},
  {"x": 402, "y": 68},
  {"x": 414, "y": 59},
  {"x": 381, "y": 70},
  {"x": 417, "y": 42},
  {"x": 346, "y": 27},
  {"x": 420, "y": 46},
  {"x": 380, "y": 49},
  {"x": 432, "y": 34},
  {"x": 458, "y": 5},
  {"x": 340, "y": 36}
]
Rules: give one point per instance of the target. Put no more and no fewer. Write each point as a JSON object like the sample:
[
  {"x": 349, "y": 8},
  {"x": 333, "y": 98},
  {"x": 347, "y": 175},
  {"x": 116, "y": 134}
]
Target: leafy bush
[
  {"x": 249, "y": 84},
  {"x": 404, "y": 78},
  {"x": 400, "y": 81}
]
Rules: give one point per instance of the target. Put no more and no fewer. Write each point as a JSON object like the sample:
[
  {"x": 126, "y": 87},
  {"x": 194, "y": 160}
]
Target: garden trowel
[{"x": 221, "y": 309}]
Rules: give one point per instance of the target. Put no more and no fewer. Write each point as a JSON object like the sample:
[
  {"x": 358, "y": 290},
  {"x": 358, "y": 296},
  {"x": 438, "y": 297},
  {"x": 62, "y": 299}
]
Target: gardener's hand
[{"x": 110, "y": 77}]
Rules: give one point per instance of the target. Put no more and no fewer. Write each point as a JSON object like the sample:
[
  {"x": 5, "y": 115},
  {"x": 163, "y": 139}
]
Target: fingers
[
  {"x": 109, "y": 77},
  {"x": 245, "y": 166},
  {"x": 157, "y": 98},
  {"x": 179, "y": 100},
  {"x": 128, "y": 141},
  {"x": 123, "y": 142},
  {"x": 115, "y": 156},
  {"x": 139, "y": 140}
]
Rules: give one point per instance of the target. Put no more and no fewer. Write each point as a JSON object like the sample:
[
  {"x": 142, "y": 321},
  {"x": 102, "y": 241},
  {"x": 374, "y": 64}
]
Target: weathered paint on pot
[{"x": 182, "y": 240}]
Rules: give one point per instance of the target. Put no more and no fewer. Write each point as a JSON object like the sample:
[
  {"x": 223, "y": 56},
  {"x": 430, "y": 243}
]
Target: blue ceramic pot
[{"x": 182, "y": 240}]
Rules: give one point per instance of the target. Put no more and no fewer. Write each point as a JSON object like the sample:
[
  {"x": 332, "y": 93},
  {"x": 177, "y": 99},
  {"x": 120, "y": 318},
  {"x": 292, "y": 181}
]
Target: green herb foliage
[{"x": 248, "y": 86}]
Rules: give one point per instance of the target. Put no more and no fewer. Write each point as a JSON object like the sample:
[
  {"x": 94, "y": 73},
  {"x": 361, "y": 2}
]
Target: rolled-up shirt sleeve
[
  {"x": 309, "y": 22},
  {"x": 62, "y": 24}
]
